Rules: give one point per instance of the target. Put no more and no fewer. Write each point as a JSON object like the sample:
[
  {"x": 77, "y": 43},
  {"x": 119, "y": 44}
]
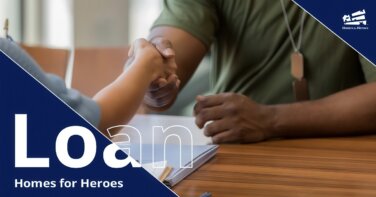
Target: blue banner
[
  {"x": 42, "y": 116},
  {"x": 353, "y": 21}
]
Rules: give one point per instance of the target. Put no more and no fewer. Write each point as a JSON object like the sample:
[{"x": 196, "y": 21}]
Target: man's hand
[
  {"x": 162, "y": 92},
  {"x": 233, "y": 118}
]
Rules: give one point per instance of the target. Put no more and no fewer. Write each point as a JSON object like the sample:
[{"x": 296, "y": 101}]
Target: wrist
[
  {"x": 274, "y": 121},
  {"x": 158, "y": 108},
  {"x": 142, "y": 70}
]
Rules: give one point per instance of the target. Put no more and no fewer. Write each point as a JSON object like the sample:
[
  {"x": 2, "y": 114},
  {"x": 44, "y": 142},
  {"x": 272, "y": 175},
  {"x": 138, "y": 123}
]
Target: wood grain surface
[{"x": 299, "y": 167}]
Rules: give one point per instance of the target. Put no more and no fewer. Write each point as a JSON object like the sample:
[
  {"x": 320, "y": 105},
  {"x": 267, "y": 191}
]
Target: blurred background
[
  {"x": 81, "y": 28},
  {"x": 82, "y": 23}
]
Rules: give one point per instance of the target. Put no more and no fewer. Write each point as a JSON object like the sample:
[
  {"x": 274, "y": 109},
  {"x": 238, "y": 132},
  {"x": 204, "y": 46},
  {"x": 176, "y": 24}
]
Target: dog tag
[{"x": 297, "y": 65}]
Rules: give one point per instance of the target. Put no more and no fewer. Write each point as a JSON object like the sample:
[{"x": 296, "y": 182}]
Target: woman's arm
[
  {"x": 120, "y": 100},
  {"x": 83, "y": 105}
]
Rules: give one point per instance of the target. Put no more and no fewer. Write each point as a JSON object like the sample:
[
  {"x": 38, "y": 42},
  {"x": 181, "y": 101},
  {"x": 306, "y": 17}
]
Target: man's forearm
[{"x": 349, "y": 112}]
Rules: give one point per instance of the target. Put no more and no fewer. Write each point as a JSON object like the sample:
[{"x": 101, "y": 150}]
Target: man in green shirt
[{"x": 253, "y": 96}]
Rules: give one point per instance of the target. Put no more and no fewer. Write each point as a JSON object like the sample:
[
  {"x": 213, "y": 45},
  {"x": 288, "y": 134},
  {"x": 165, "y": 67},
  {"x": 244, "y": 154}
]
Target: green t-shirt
[{"x": 250, "y": 48}]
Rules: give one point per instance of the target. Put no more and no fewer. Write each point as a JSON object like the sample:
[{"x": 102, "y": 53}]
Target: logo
[{"x": 355, "y": 21}]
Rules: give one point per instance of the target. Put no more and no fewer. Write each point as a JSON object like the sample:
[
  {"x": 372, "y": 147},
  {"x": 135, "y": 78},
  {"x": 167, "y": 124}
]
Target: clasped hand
[{"x": 233, "y": 118}]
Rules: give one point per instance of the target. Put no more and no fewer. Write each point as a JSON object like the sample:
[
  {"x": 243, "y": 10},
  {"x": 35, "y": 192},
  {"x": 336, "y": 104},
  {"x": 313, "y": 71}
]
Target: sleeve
[
  {"x": 83, "y": 105},
  {"x": 369, "y": 69},
  {"x": 198, "y": 17}
]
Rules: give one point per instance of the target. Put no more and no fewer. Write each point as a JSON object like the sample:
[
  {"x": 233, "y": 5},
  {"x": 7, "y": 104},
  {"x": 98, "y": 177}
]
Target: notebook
[
  {"x": 159, "y": 173},
  {"x": 192, "y": 157},
  {"x": 200, "y": 155}
]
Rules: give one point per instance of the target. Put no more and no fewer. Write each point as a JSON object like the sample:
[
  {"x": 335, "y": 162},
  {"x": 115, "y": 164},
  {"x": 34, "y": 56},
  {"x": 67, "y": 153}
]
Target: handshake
[{"x": 156, "y": 59}]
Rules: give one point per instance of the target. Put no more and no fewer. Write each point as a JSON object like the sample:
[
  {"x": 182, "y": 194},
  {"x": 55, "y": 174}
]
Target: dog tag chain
[{"x": 299, "y": 85}]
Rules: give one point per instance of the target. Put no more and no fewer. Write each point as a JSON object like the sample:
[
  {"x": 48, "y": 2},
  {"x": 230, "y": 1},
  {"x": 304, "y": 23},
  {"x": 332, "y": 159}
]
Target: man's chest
[{"x": 254, "y": 33}]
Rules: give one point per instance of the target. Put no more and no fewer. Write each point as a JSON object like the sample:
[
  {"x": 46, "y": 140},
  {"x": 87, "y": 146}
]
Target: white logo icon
[{"x": 356, "y": 20}]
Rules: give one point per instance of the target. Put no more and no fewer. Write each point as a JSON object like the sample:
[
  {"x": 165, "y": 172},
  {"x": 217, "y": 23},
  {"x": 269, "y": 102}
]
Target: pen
[
  {"x": 6, "y": 30},
  {"x": 6, "y": 27},
  {"x": 206, "y": 194}
]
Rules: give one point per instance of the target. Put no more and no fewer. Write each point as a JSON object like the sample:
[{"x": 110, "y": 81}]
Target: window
[
  {"x": 58, "y": 23},
  {"x": 11, "y": 9}
]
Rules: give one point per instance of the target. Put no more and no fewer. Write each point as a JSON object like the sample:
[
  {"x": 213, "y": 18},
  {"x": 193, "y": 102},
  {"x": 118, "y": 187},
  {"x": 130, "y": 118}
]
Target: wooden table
[{"x": 300, "y": 167}]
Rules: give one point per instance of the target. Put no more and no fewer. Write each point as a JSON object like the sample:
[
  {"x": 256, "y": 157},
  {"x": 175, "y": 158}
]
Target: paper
[
  {"x": 183, "y": 160},
  {"x": 157, "y": 172},
  {"x": 148, "y": 145},
  {"x": 145, "y": 124}
]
